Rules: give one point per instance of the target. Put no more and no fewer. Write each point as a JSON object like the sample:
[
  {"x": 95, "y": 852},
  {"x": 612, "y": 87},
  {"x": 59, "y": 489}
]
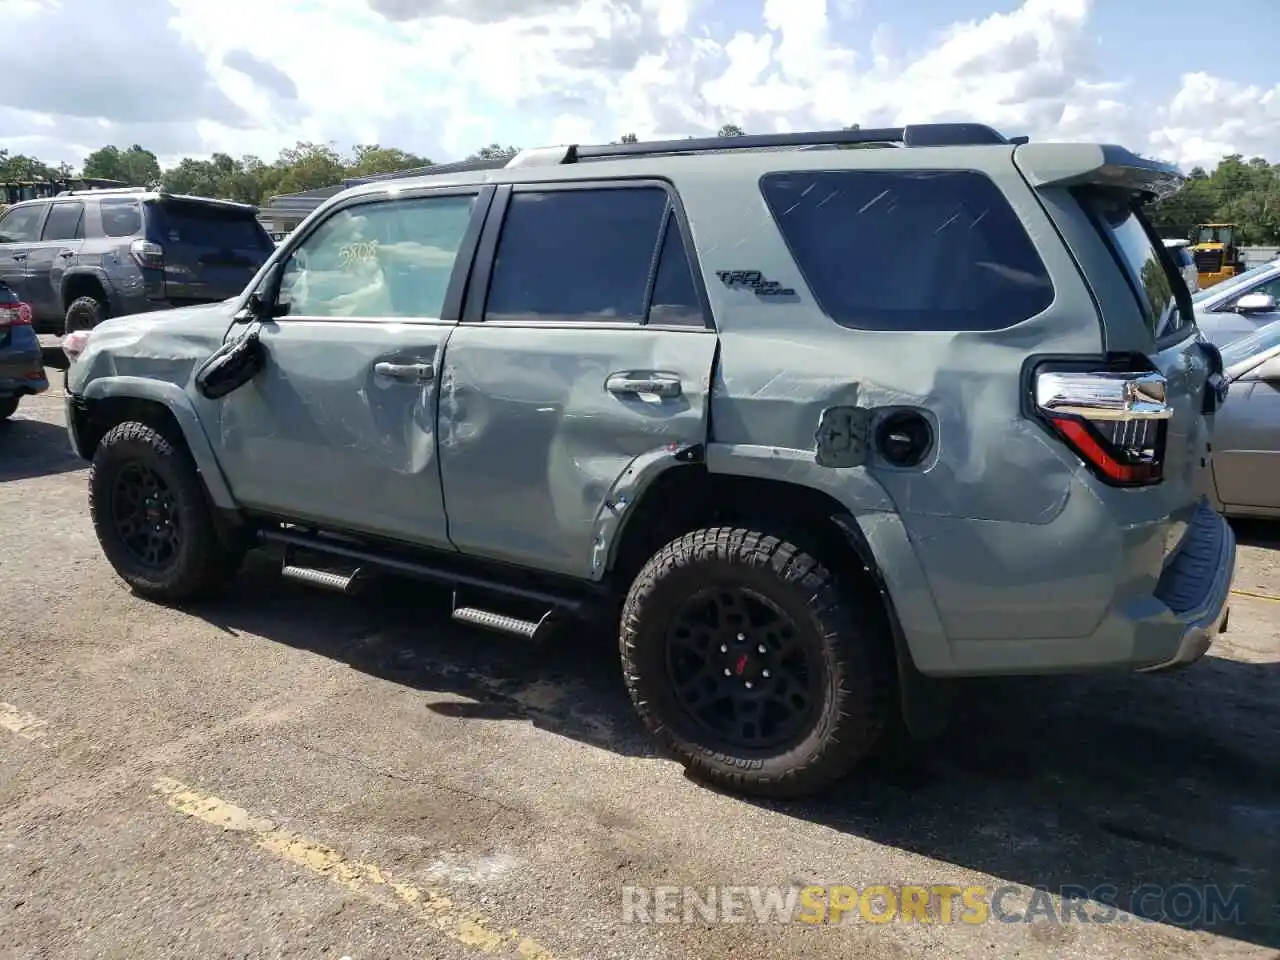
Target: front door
[
  {"x": 584, "y": 350},
  {"x": 339, "y": 428},
  {"x": 19, "y": 229}
]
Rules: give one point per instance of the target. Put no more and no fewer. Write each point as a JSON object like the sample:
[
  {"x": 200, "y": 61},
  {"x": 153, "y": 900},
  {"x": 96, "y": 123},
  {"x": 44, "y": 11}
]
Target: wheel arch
[
  {"x": 109, "y": 401},
  {"x": 85, "y": 283},
  {"x": 868, "y": 549}
]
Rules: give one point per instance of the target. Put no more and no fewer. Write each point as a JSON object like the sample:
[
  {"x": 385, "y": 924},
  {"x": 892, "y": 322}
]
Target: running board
[
  {"x": 373, "y": 561},
  {"x": 527, "y": 629},
  {"x": 326, "y": 579}
]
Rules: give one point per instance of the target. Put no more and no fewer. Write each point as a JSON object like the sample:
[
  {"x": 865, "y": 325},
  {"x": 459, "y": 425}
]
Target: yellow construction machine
[{"x": 1216, "y": 252}]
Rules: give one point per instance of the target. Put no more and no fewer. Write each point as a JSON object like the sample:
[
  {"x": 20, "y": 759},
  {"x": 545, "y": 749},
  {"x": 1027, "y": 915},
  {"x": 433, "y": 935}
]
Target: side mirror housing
[{"x": 1256, "y": 303}]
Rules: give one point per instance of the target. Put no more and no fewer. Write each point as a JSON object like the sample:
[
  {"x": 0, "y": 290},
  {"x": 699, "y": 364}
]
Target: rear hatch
[
  {"x": 1150, "y": 425},
  {"x": 211, "y": 250}
]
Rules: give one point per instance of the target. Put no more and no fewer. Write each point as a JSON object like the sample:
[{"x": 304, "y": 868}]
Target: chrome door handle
[
  {"x": 67, "y": 253},
  {"x": 19, "y": 256},
  {"x": 409, "y": 372},
  {"x": 620, "y": 383}
]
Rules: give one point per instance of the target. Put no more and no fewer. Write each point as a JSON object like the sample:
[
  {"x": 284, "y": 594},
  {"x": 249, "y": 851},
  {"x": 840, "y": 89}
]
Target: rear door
[
  {"x": 211, "y": 250},
  {"x": 585, "y": 352},
  {"x": 340, "y": 426}
]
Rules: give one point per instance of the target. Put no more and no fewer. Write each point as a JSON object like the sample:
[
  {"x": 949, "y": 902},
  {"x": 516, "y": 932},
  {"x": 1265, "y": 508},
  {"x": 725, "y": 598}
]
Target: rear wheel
[
  {"x": 84, "y": 313},
  {"x": 744, "y": 660},
  {"x": 152, "y": 518},
  {"x": 8, "y": 407}
]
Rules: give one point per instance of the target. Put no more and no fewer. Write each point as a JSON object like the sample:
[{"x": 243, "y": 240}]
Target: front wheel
[
  {"x": 152, "y": 518},
  {"x": 745, "y": 661}
]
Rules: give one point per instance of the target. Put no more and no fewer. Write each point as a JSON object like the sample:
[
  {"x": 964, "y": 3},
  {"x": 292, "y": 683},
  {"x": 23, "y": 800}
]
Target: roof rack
[
  {"x": 101, "y": 190},
  {"x": 914, "y": 135}
]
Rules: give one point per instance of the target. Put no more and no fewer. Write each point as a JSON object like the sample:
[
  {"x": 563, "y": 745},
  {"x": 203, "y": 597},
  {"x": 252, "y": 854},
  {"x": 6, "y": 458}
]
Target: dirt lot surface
[{"x": 289, "y": 773}]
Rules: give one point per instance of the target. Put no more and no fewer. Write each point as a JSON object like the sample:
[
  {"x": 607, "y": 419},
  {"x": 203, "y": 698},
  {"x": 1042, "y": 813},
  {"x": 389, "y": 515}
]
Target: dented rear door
[{"x": 582, "y": 365}]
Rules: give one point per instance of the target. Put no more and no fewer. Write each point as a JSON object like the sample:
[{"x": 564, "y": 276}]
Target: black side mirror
[{"x": 257, "y": 308}]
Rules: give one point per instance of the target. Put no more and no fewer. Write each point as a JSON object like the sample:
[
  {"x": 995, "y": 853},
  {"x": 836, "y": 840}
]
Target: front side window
[
  {"x": 592, "y": 255},
  {"x": 1136, "y": 246},
  {"x": 21, "y": 225},
  {"x": 895, "y": 250},
  {"x": 382, "y": 259},
  {"x": 65, "y": 222}
]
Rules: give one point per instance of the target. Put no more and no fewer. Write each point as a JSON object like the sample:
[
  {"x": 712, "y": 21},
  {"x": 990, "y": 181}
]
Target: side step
[
  {"x": 533, "y": 630},
  {"x": 326, "y": 579}
]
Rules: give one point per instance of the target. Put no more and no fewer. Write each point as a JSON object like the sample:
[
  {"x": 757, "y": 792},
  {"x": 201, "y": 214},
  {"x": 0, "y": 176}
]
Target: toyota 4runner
[
  {"x": 87, "y": 254},
  {"x": 814, "y": 430}
]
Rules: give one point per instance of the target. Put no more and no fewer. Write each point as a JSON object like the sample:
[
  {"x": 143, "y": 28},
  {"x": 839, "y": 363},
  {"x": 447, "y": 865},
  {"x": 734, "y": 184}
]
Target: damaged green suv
[{"x": 812, "y": 430}]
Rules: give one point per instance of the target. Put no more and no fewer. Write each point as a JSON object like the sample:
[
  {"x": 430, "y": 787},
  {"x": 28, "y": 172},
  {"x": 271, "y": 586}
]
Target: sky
[{"x": 441, "y": 78}]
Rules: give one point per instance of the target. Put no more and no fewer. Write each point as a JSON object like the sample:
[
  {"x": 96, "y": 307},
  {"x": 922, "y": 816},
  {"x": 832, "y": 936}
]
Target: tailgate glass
[{"x": 1148, "y": 265}]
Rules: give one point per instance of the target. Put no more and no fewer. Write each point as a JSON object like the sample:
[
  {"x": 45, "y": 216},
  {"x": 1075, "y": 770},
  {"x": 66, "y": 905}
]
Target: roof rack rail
[
  {"x": 100, "y": 190},
  {"x": 913, "y": 135}
]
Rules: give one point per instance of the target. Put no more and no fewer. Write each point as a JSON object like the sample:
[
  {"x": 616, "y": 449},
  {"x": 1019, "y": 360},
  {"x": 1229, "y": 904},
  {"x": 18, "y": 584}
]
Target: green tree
[
  {"x": 135, "y": 166},
  {"x": 494, "y": 151},
  {"x": 369, "y": 159},
  {"x": 731, "y": 130},
  {"x": 18, "y": 166},
  {"x": 629, "y": 138}
]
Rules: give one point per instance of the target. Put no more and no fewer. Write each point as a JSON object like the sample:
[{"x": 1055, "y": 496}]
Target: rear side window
[
  {"x": 894, "y": 250},
  {"x": 204, "y": 225},
  {"x": 120, "y": 218},
  {"x": 592, "y": 255},
  {"x": 65, "y": 222},
  {"x": 1137, "y": 249}
]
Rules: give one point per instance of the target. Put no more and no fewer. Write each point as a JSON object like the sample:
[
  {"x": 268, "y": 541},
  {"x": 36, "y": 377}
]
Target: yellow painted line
[
  {"x": 429, "y": 904},
  {"x": 1255, "y": 596},
  {"x": 25, "y": 725}
]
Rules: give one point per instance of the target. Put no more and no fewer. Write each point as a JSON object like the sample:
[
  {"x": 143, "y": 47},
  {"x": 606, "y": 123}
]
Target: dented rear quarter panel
[{"x": 1000, "y": 536}]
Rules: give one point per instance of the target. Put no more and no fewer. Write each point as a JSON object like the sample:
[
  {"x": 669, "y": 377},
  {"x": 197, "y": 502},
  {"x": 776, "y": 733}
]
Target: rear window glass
[
  {"x": 1135, "y": 245},
  {"x": 211, "y": 227},
  {"x": 893, "y": 250},
  {"x": 120, "y": 218}
]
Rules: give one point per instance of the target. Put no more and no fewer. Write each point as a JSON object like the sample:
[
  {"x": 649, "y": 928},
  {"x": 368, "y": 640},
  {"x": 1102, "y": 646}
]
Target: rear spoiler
[
  {"x": 1096, "y": 164},
  {"x": 161, "y": 196}
]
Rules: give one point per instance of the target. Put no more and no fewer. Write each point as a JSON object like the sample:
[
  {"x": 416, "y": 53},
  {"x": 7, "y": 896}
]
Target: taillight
[
  {"x": 15, "y": 315},
  {"x": 147, "y": 254},
  {"x": 1116, "y": 422}
]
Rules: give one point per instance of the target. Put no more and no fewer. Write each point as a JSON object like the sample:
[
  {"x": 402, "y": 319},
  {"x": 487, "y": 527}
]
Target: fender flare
[
  {"x": 174, "y": 399},
  {"x": 83, "y": 271}
]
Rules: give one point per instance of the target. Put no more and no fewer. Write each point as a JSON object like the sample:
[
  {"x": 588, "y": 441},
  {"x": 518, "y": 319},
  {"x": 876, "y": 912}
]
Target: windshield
[
  {"x": 1264, "y": 338},
  {"x": 1239, "y": 280},
  {"x": 1214, "y": 235}
]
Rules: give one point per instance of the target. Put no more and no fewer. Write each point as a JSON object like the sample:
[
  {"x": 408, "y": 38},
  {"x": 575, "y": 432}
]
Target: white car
[{"x": 1186, "y": 263}]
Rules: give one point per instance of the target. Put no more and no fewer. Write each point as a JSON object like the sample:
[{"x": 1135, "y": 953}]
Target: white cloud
[{"x": 442, "y": 77}]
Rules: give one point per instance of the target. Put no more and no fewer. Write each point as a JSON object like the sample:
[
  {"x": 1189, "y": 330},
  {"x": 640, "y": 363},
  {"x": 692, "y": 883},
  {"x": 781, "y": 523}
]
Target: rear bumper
[
  {"x": 1196, "y": 587},
  {"x": 1171, "y": 625},
  {"x": 22, "y": 365}
]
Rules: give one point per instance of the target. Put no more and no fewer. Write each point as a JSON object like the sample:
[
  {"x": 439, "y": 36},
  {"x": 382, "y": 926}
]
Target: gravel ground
[{"x": 289, "y": 773}]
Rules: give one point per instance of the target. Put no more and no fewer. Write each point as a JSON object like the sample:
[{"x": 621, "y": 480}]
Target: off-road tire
[
  {"x": 848, "y": 636},
  {"x": 84, "y": 313},
  {"x": 8, "y": 407},
  {"x": 203, "y": 563}
]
